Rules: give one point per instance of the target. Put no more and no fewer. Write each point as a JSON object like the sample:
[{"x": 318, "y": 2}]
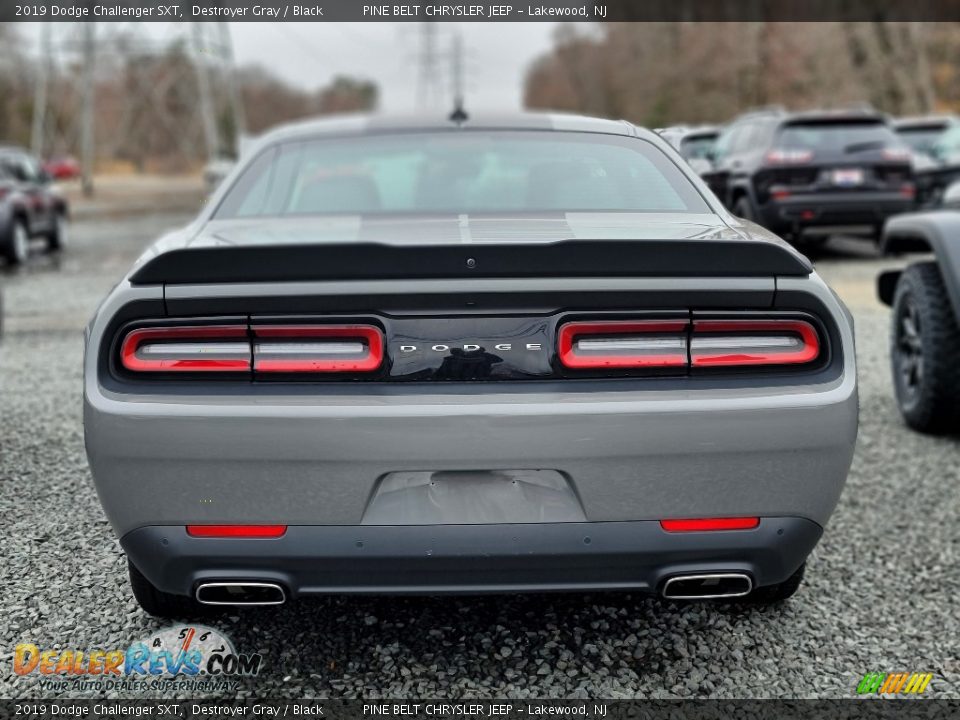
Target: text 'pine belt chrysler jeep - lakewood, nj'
[{"x": 491, "y": 355}]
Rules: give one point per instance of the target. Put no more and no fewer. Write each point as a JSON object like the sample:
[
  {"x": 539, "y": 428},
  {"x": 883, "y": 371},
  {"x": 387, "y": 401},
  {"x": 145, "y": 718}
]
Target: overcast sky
[{"x": 309, "y": 54}]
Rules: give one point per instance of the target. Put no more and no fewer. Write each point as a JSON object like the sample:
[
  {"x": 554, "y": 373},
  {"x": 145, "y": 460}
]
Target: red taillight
[
  {"x": 211, "y": 348},
  {"x": 708, "y": 524},
  {"x": 623, "y": 344},
  {"x": 789, "y": 157},
  {"x": 237, "y": 531},
  {"x": 725, "y": 343},
  {"x": 316, "y": 348},
  {"x": 896, "y": 153}
]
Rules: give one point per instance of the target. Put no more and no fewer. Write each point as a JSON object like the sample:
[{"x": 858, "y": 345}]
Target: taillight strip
[
  {"x": 623, "y": 344},
  {"x": 317, "y": 348},
  {"x": 237, "y": 531},
  {"x": 186, "y": 349},
  {"x": 726, "y": 343},
  {"x": 710, "y": 524}
]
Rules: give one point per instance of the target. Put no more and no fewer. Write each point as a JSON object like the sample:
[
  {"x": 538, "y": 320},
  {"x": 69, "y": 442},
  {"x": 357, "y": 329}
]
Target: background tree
[{"x": 663, "y": 73}]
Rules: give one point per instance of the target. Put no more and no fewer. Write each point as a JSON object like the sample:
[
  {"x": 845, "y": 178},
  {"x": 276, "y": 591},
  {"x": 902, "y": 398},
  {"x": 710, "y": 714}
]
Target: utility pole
[
  {"x": 456, "y": 72},
  {"x": 87, "y": 149},
  {"x": 203, "y": 87},
  {"x": 233, "y": 86},
  {"x": 40, "y": 92},
  {"x": 428, "y": 67}
]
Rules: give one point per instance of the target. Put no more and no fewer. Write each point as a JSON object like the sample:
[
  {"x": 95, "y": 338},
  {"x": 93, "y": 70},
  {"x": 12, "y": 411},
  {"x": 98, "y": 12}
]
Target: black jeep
[
  {"x": 812, "y": 174},
  {"x": 925, "y": 324}
]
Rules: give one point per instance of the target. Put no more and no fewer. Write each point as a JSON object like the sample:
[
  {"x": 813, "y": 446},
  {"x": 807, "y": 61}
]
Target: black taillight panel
[{"x": 562, "y": 346}]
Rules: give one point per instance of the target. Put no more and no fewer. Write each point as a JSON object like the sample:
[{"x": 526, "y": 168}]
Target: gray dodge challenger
[{"x": 481, "y": 355}]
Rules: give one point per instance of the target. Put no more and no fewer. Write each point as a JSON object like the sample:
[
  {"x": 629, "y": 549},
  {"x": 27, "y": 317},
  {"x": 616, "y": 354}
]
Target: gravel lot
[{"x": 881, "y": 593}]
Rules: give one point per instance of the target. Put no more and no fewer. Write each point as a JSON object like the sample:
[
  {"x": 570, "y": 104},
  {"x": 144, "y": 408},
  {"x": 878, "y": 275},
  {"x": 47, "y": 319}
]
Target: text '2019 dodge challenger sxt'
[{"x": 520, "y": 354}]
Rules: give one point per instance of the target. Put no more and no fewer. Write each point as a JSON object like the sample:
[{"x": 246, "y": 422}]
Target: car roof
[
  {"x": 341, "y": 125},
  {"x": 786, "y": 117},
  {"x": 685, "y": 130},
  {"x": 831, "y": 115},
  {"x": 702, "y": 130},
  {"x": 919, "y": 121}
]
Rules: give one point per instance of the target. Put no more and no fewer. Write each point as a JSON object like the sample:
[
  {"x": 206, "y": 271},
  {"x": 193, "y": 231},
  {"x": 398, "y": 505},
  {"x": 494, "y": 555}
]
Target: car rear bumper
[
  {"x": 533, "y": 557},
  {"x": 321, "y": 460},
  {"x": 835, "y": 209}
]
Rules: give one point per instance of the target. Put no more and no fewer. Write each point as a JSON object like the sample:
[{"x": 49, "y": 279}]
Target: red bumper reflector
[
  {"x": 317, "y": 348},
  {"x": 707, "y": 524},
  {"x": 623, "y": 344},
  {"x": 724, "y": 343},
  {"x": 209, "y": 348},
  {"x": 237, "y": 531}
]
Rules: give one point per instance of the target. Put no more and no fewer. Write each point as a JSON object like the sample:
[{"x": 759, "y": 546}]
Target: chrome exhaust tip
[
  {"x": 240, "y": 593},
  {"x": 707, "y": 587}
]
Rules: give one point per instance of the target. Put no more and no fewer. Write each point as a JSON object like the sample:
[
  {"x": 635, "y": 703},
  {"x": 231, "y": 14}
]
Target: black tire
[
  {"x": 925, "y": 351},
  {"x": 16, "y": 246},
  {"x": 57, "y": 237},
  {"x": 162, "y": 604},
  {"x": 772, "y": 594}
]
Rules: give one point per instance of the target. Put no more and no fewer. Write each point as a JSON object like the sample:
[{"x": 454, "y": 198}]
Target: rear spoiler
[{"x": 378, "y": 261}]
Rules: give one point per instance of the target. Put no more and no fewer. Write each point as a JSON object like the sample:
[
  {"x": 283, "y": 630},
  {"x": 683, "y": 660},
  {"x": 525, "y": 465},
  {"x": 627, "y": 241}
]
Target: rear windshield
[
  {"x": 844, "y": 137},
  {"x": 461, "y": 172},
  {"x": 921, "y": 139}
]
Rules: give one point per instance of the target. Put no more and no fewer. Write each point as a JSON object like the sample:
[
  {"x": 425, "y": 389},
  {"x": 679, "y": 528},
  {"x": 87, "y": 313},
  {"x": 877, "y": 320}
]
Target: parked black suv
[{"x": 812, "y": 174}]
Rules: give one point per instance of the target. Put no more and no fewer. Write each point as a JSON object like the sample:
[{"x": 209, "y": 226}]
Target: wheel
[
  {"x": 770, "y": 594},
  {"x": 743, "y": 208},
  {"x": 159, "y": 603},
  {"x": 925, "y": 350},
  {"x": 58, "y": 236},
  {"x": 17, "y": 247}
]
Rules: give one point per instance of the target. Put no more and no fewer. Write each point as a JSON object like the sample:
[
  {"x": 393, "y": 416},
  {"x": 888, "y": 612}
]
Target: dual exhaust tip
[
  {"x": 680, "y": 587},
  {"x": 240, "y": 593},
  {"x": 707, "y": 587}
]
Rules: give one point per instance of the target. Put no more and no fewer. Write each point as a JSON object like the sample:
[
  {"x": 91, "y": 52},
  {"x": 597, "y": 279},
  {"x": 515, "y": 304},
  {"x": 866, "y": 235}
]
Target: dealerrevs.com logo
[{"x": 190, "y": 657}]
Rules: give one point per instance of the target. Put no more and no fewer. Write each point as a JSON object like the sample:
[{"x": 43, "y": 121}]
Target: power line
[
  {"x": 428, "y": 63},
  {"x": 456, "y": 72}
]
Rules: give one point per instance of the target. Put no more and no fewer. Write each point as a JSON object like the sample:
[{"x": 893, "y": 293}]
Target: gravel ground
[{"x": 880, "y": 595}]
